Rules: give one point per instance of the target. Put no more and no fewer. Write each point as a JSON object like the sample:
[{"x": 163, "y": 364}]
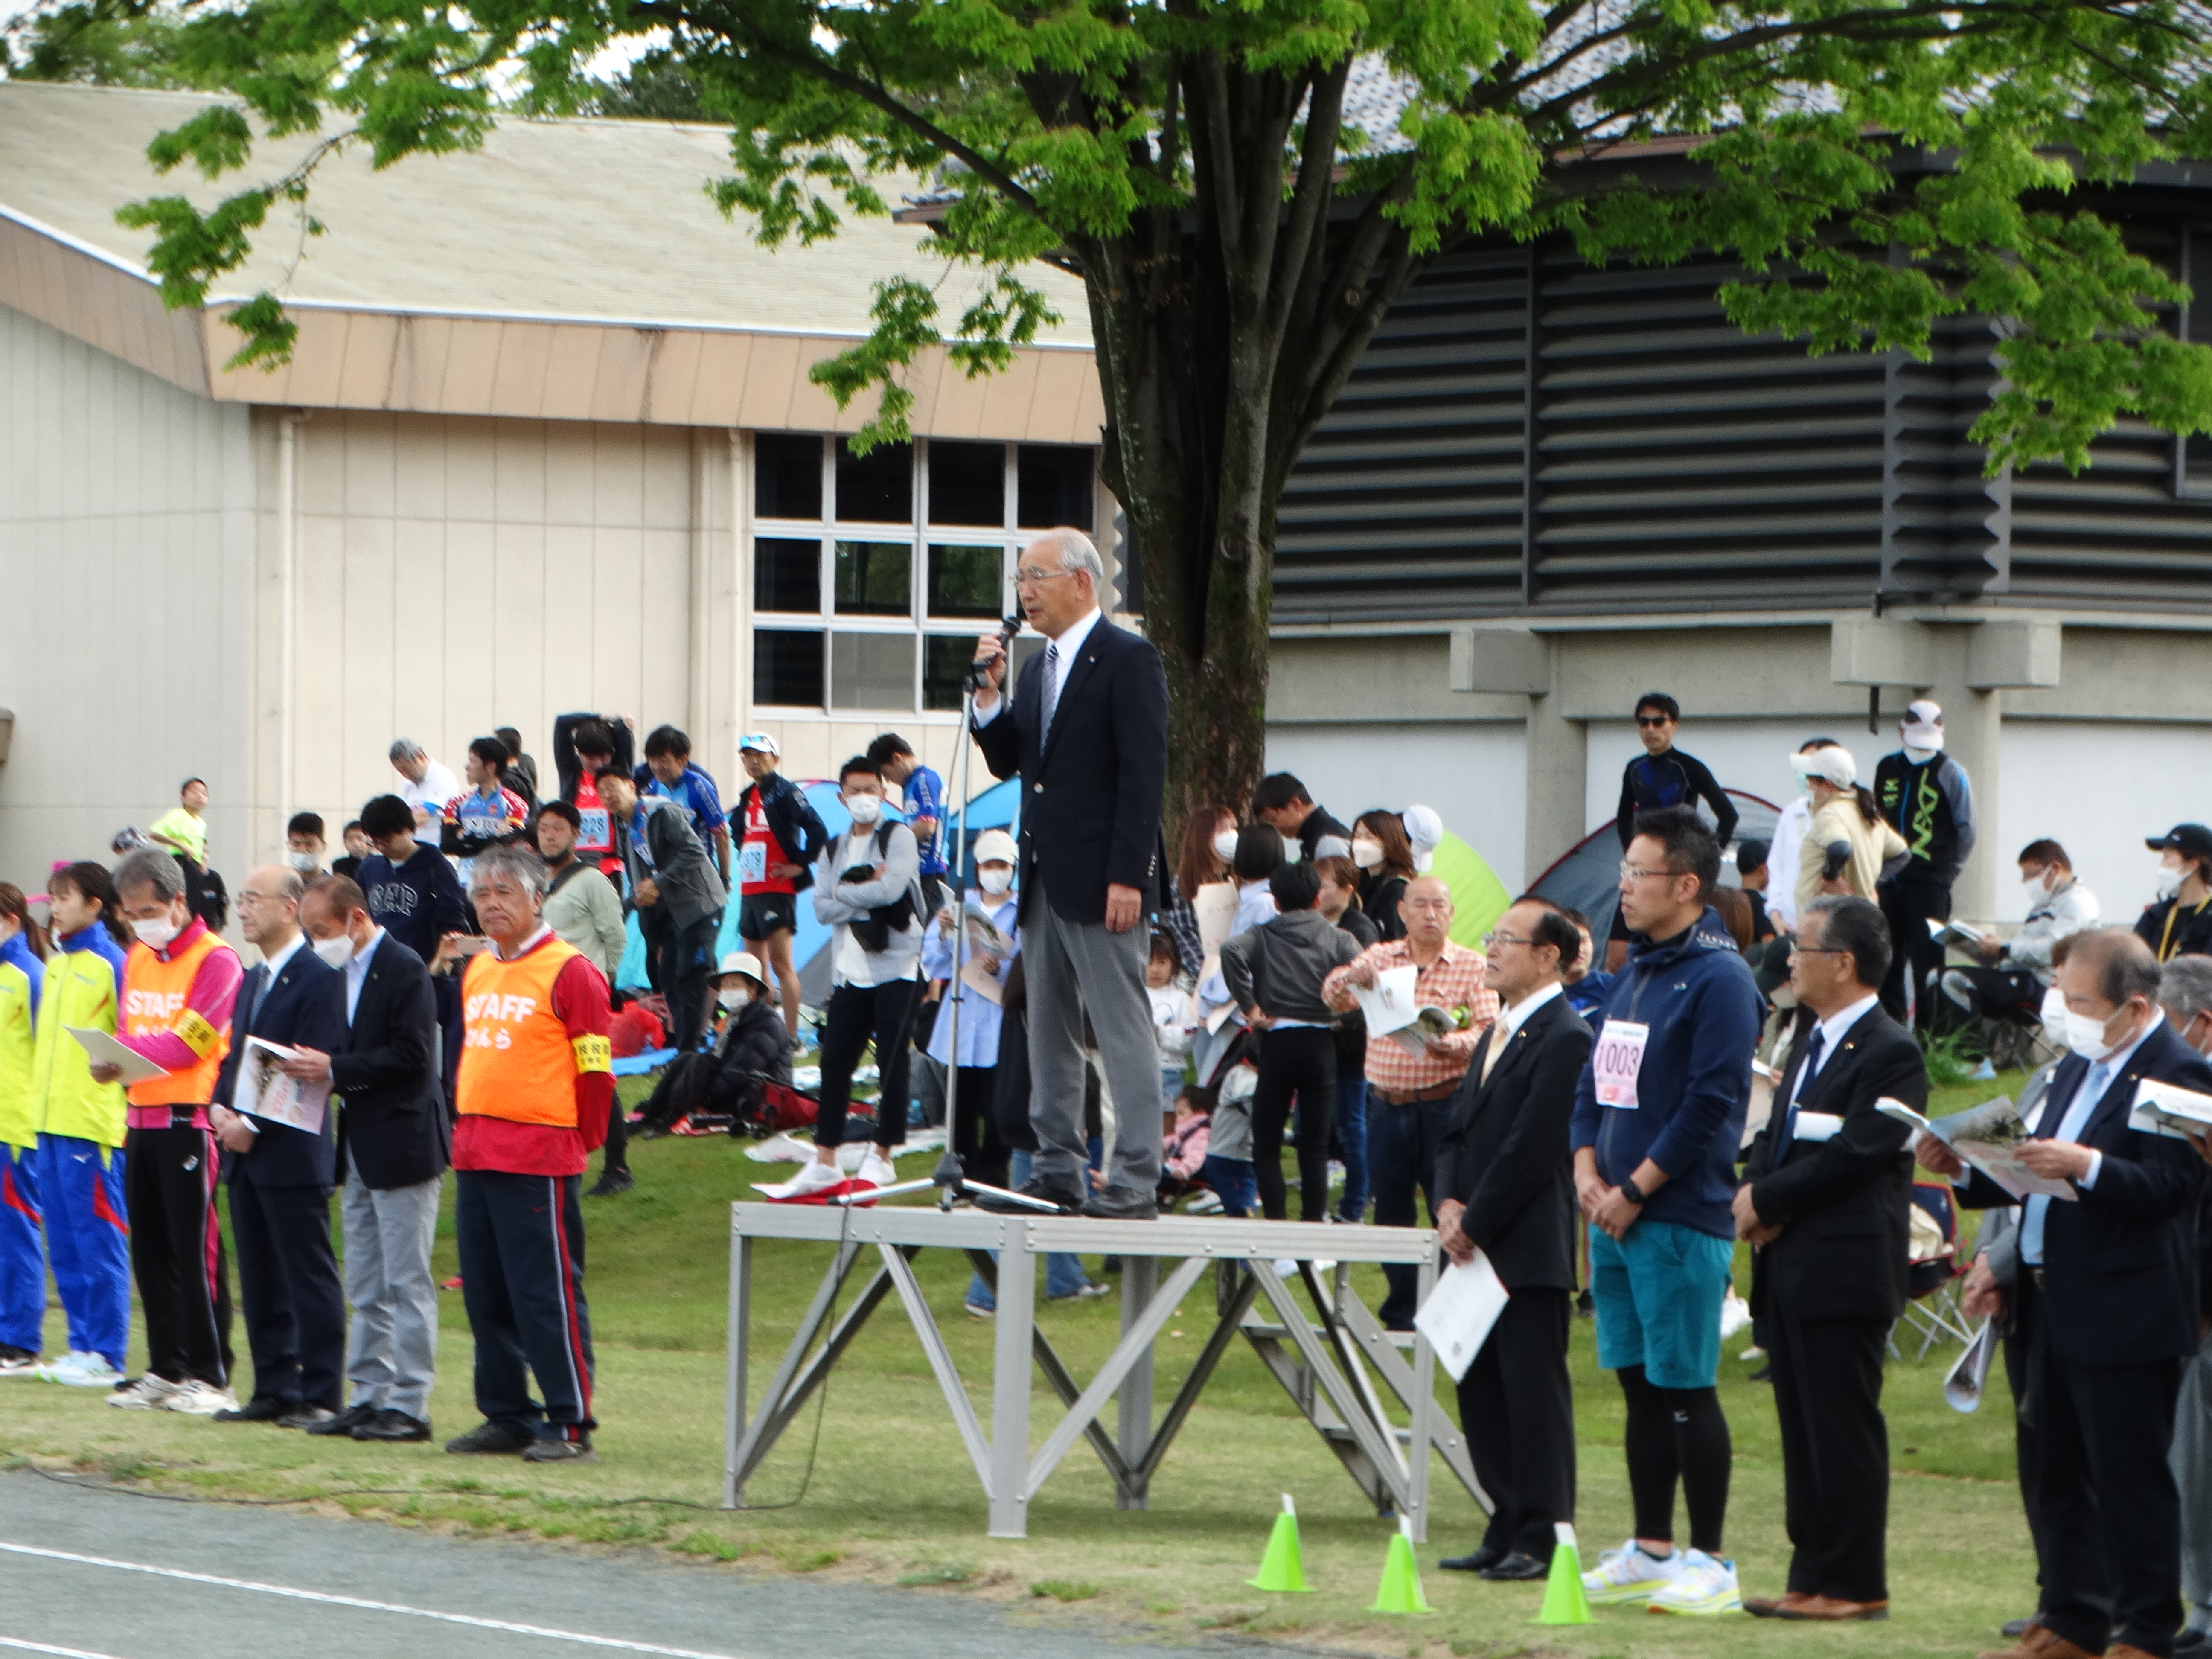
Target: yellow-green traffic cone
[
  {"x": 1400, "y": 1589},
  {"x": 1281, "y": 1568},
  {"x": 1564, "y": 1600}
]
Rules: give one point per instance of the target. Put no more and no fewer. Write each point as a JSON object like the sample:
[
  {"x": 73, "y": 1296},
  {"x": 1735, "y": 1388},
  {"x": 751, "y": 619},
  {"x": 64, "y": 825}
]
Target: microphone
[{"x": 1008, "y": 628}]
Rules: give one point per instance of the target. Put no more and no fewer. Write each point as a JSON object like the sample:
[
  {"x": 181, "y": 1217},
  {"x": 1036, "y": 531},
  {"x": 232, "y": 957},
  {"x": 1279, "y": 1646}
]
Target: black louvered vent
[
  {"x": 1943, "y": 534},
  {"x": 1409, "y": 495}
]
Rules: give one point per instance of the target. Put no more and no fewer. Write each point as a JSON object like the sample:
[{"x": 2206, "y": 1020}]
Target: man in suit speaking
[
  {"x": 1504, "y": 1185},
  {"x": 2107, "y": 1303},
  {"x": 1824, "y": 1204},
  {"x": 1089, "y": 737}
]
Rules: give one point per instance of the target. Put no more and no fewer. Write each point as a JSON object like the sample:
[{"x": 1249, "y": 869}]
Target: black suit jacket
[
  {"x": 2120, "y": 1262},
  {"x": 1091, "y": 788},
  {"x": 1504, "y": 1152},
  {"x": 1844, "y": 1204},
  {"x": 392, "y": 1126},
  {"x": 295, "y": 1011}
]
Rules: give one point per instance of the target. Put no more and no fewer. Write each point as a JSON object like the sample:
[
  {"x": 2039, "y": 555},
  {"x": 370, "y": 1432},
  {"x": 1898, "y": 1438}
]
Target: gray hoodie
[
  {"x": 840, "y": 906},
  {"x": 1280, "y": 965}
]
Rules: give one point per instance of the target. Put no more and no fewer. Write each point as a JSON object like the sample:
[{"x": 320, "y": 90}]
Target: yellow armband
[
  {"x": 198, "y": 1035},
  {"x": 593, "y": 1053}
]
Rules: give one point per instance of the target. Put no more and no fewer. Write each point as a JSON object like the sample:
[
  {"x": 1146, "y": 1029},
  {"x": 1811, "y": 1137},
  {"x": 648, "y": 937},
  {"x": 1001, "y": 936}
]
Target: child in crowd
[
  {"x": 1227, "y": 1168},
  {"x": 1173, "y": 1016},
  {"x": 1183, "y": 1152}
]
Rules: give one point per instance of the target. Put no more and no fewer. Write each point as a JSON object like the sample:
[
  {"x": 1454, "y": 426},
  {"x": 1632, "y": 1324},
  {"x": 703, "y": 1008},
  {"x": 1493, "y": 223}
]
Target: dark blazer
[
  {"x": 392, "y": 1125},
  {"x": 1091, "y": 788},
  {"x": 2120, "y": 1263},
  {"x": 295, "y": 1011},
  {"x": 1504, "y": 1150},
  {"x": 1844, "y": 1204}
]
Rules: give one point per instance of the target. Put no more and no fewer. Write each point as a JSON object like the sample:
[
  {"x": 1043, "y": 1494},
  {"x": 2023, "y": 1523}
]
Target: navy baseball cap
[{"x": 2191, "y": 841}]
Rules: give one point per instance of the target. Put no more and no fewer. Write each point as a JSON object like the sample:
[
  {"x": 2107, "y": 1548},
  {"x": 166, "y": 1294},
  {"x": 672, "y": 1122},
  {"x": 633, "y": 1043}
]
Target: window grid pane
[
  {"x": 875, "y": 579},
  {"x": 786, "y": 574},
  {"x": 787, "y": 667},
  {"x": 787, "y": 476},
  {"x": 871, "y": 671},
  {"x": 966, "y": 580},
  {"x": 877, "y": 488}
]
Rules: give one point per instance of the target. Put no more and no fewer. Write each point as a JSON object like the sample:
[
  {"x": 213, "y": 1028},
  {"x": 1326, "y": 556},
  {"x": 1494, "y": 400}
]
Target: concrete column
[
  {"x": 1973, "y": 722},
  {"x": 1558, "y": 764}
]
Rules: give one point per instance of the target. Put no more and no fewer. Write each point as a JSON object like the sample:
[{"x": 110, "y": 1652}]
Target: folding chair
[{"x": 1933, "y": 1270}]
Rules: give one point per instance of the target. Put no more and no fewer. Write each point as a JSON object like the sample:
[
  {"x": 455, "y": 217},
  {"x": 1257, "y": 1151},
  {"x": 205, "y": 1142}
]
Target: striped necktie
[{"x": 1051, "y": 690}]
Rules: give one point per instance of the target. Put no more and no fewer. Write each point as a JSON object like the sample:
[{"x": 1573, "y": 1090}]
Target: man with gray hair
[
  {"x": 1088, "y": 735},
  {"x": 180, "y": 985},
  {"x": 427, "y": 785},
  {"x": 2184, "y": 996},
  {"x": 536, "y": 1086},
  {"x": 281, "y": 1172}
]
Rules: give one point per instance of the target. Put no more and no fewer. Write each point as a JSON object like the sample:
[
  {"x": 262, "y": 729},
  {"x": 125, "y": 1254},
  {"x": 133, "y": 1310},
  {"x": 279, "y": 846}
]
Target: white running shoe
[
  {"x": 19, "y": 1362},
  {"x": 1628, "y": 1574},
  {"x": 199, "y": 1399},
  {"x": 89, "y": 1370},
  {"x": 1705, "y": 1586},
  {"x": 876, "y": 1170},
  {"x": 54, "y": 1369},
  {"x": 146, "y": 1394}
]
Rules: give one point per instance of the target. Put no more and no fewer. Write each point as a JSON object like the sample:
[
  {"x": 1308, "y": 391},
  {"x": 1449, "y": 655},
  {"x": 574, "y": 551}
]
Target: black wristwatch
[{"x": 1632, "y": 1192}]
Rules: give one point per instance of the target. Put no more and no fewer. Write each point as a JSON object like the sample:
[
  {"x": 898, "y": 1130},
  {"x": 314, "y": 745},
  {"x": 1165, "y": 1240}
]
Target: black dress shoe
[
  {"x": 1474, "y": 1560},
  {"x": 612, "y": 1183},
  {"x": 344, "y": 1422},
  {"x": 393, "y": 1425},
  {"x": 306, "y": 1417},
  {"x": 1764, "y": 1374},
  {"x": 1064, "y": 1201},
  {"x": 259, "y": 1409},
  {"x": 2192, "y": 1641},
  {"x": 1122, "y": 1204},
  {"x": 2015, "y": 1628},
  {"x": 1518, "y": 1568}
]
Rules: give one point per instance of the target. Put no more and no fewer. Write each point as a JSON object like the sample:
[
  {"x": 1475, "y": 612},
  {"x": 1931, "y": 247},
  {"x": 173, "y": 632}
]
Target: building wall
[
  {"x": 455, "y": 574},
  {"x": 127, "y": 557}
]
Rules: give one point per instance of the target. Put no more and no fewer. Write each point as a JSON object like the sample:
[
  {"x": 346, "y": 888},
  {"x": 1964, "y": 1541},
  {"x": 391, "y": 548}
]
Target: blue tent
[{"x": 1588, "y": 878}]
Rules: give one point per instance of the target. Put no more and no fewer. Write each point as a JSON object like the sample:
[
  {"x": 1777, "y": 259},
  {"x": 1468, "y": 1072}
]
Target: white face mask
[
  {"x": 864, "y": 809},
  {"x": 303, "y": 862},
  {"x": 2054, "y": 1014},
  {"x": 1918, "y": 756},
  {"x": 155, "y": 935},
  {"x": 1225, "y": 845},
  {"x": 1366, "y": 854},
  {"x": 734, "y": 1000},
  {"x": 994, "y": 882},
  {"x": 2085, "y": 1036},
  {"x": 336, "y": 951},
  {"x": 2037, "y": 884},
  {"x": 2168, "y": 881}
]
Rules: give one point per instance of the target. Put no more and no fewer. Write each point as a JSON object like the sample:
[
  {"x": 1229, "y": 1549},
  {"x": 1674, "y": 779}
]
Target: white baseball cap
[
  {"x": 1922, "y": 726},
  {"x": 745, "y": 963},
  {"x": 1832, "y": 764},
  {"x": 759, "y": 740},
  {"x": 994, "y": 845}
]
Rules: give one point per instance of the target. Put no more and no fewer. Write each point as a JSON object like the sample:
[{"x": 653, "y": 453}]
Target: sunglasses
[{"x": 1655, "y": 719}]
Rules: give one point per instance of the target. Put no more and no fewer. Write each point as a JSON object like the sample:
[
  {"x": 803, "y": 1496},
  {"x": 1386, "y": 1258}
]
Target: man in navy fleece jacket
[{"x": 1658, "y": 1117}]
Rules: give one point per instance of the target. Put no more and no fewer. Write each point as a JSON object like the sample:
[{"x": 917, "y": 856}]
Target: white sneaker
[
  {"x": 22, "y": 1363},
  {"x": 876, "y": 1170},
  {"x": 199, "y": 1399},
  {"x": 82, "y": 1370},
  {"x": 1627, "y": 1574},
  {"x": 146, "y": 1394},
  {"x": 1705, "y": 1586}
]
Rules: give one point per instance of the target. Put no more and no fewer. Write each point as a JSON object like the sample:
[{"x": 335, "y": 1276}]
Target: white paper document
[
  {"x": 1459, "y": 1313},
  {"x": 1389, "y": 1006},
  {"x": 102, "y": 1049},
  {"x": 1962, "y": 1388},
  {"x": 2164, "y": 1109},
  {"x": 264, "y": 1093},
  {"x": 1988, "y": 1137}
]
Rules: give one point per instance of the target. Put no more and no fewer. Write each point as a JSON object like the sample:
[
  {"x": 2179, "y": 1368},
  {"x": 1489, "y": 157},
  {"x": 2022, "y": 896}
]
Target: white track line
[
  {"x": 336, "y": 1601},
  {"x": 42, "y": 1647}
]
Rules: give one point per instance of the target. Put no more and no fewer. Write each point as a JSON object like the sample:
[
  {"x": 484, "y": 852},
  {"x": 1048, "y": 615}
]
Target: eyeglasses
[
  {"x": 1630, "y": 873},
  {"x": 1660, "y": 719},
  {"x": 1027, "y": 578},
  {"x": 1491, "y": 941},
  {"x": 1818, "y": 951}
]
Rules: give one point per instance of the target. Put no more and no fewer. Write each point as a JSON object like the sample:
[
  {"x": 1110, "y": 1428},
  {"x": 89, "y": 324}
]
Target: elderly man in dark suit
[
  {"x": 2107, "y": 1303},
  {"x": 1504, "y": 1183},
  {"x": 394, "y": 1143},
  {"x": 1825, "y": 1203},
  {"x": 1088, "y": 734},
  {"x": 281, "y": 1176}
]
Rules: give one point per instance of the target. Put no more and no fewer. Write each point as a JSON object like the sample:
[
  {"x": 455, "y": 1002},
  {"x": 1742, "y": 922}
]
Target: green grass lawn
[{"x": 887, "y": 1497}]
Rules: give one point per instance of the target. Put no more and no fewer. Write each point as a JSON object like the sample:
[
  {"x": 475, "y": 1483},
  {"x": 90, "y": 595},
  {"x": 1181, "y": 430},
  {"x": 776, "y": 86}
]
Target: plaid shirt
[{"x": 1453, "y": 980}]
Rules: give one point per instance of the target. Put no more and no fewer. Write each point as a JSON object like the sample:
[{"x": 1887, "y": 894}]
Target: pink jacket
[{"x": 1186, "y": 1146}]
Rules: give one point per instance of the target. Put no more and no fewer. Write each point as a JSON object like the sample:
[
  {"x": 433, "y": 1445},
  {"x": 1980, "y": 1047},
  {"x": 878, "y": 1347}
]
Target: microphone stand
[{"x": 1008, "y": 628}]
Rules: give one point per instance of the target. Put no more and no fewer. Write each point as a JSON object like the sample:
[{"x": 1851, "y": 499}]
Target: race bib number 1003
[{"x": 1617, "y": 1059}]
